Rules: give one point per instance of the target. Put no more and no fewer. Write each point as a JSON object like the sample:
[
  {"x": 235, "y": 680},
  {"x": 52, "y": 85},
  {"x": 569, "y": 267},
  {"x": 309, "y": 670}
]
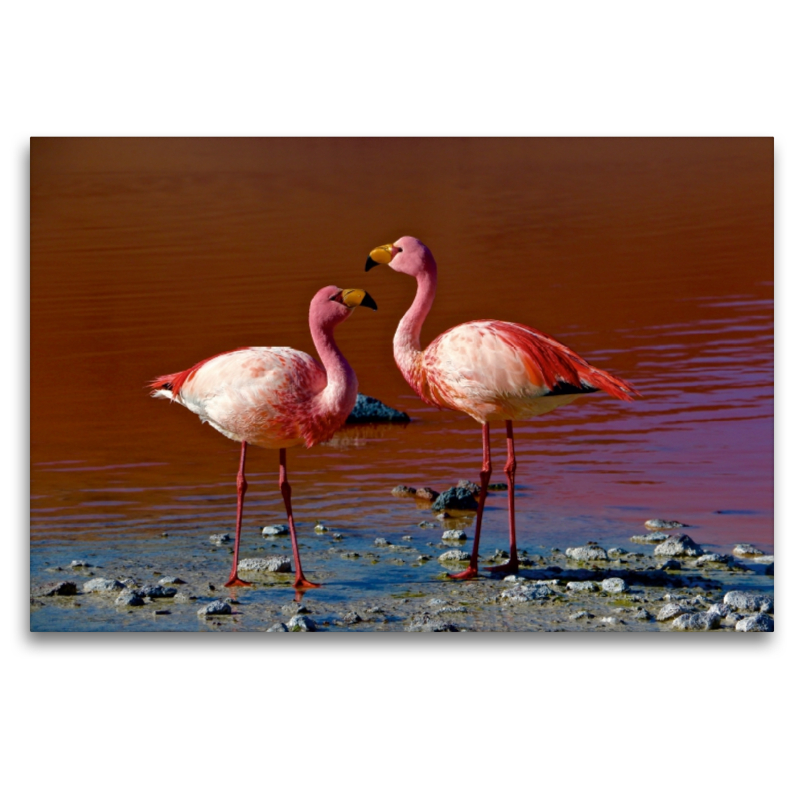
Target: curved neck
[
  {"x": 406, "y": 340},
  {"x": 342, "y": 384}
]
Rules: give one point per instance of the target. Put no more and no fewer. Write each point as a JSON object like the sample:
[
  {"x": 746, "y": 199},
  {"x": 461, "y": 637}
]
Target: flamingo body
[
  {"x": 267, "y": 396},
  {"x": 275, "y": 397},
  {"x": 494, "y": 370}
]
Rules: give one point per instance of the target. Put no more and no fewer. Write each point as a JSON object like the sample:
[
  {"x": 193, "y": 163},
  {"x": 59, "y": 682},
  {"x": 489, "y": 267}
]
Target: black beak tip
[
  {"x": 370, "y": 264},
  {"x": 369, "y": 302}
]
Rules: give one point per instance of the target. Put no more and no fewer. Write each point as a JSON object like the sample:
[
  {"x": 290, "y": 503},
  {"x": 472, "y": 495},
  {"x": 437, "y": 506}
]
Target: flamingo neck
[
  {"x": 339, "y": 396},
  {"x": 407, "y": 351}
]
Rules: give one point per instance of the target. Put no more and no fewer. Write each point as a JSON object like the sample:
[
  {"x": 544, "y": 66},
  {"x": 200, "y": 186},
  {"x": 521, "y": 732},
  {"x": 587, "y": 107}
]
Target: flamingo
[
  {"x": 488, "y": 369},
  {"x": 275, "y": 397}
]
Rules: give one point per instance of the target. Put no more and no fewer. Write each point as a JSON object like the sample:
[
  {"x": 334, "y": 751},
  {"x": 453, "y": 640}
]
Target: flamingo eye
[{"x": 399, "y": 249}]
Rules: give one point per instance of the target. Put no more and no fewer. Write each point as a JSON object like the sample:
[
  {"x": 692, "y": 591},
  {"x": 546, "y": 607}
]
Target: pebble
[
  {"x": 129, "y": 597},
  {"x": 381, "y": 542},
  {"x": 526, "y": 592},
  {"x": 611, "y": 621},
  {"x": 273, "y": 564},
  {"x": 425, "y": 623},
  {"x": 748, "y": 601},
  {"x": 696, "y": 622},
  {"x": 404, "y": 491},
  {"x": 643, "y": 614},
  {"x": 293, "y": 608},
  {"x": 219, "y": 538},
  {"x": 300, "y": 622},
  {"x": 102, "y": 585},
  {"x": 278, "y": 627},
  {"x": 713, "y": 559},
  {"x": 587, "y": 553},
  {"x": 320, "y": 528},
  {"x": 458, "y": 536},
  {"x": 183, "y": 597},
  {"x": 470, "y": 486},
  {"x": 455, "y": 499},
  {"x": 663, "y": 524},
  {"x": 275, "y": 530},
  {"x": 423, "y": 559},
  {"x": 614, "y": 585},
  {"x": 60, "y": 589},
  {"x": 426, "y": 493},
  {"x": 760, "y": 623},
  {"x": 670, "y": 564},
  {"x": 582, "y": 586},
  {"x": 337, "y": 537},
  {"x": 171, "y": 580},
  {"x": 581, "y": 615},
  {"x": 151, "y": 590},
  {"x": 215, "y": 608},
  {"x": 616, "y": 552},
  {"x": 352, "y": 618},
  {"x": 426, "y": 524},
  {"x": 671, "y": 610},
  {"x": 80, "y": 564},
  {"x": 747, "y": 550},
  {"x": 514, "y": 578},
  {"x": 649, "y": 538},
  {"x": 678, "y": 545},
  {"x": 351, "y": 554},
  {"x": 455, "y": 555}
]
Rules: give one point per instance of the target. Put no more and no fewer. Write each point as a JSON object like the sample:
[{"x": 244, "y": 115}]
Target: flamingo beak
[
  {"x": 358, "y": 297},
  {"x": 380, "y": 255}
]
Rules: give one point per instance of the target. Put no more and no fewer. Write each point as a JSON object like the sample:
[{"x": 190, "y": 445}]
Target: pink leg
[
  {"x": 512, "y": 565},
  {"x": 486, "y": 473},
  {"x": 241, "y": 488},
  {"x": 286, "y": 490}
]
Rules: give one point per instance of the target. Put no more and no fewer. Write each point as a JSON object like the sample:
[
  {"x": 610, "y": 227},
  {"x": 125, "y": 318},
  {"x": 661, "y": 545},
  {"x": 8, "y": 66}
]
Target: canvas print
[{"x": 402, "y": 385}]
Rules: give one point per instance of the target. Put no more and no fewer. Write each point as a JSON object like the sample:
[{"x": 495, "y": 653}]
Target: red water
[{"x": 653, "y": 258}]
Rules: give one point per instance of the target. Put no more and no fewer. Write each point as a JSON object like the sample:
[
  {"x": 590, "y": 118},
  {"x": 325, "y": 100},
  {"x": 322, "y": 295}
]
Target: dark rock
[
  {"x": 458, "y": 499},
  {"x": 151, "y": 590},
  {"x": 497, "y": 487},
  {"x": 368, "y": 409},
  {"x": 670, "y": 564},
  {"x": 60, "y": 589}
]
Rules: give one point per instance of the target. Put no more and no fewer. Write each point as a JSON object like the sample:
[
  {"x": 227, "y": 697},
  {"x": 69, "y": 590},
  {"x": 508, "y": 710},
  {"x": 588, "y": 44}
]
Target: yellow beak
[
  {"x": 380, "y": 255},
  {"x": 358, "y": 297}
]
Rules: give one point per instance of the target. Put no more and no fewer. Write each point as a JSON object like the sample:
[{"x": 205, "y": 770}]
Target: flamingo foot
[
  {"x": 237, "y": 581},
  {"x": 467, "y": 575},
  {"x": 511, "y": 567},
  {"x": 302, "y": 583}
]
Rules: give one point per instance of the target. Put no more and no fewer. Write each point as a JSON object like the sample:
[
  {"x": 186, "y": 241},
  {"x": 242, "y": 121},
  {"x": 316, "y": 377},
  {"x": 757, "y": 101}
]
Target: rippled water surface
[{"x": 652, "y": 258}]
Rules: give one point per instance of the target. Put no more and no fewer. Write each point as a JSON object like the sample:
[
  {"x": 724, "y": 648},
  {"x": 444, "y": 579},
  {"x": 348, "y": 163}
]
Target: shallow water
[{"x": 651, "y": 258}]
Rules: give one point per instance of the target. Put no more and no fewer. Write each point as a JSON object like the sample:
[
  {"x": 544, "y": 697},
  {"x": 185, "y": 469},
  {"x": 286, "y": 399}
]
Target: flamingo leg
[
  {"x": 486, "y": 473},
  {"x": 286, "y": 490},
  {"x": 512, "y": 565},
  {"x": 241, "y": 488}
]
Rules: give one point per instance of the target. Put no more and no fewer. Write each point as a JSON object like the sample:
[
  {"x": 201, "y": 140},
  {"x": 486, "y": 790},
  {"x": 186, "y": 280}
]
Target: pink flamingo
[
  {"x": 275, "y": 397},
  {"x": 491, "y": 370}
]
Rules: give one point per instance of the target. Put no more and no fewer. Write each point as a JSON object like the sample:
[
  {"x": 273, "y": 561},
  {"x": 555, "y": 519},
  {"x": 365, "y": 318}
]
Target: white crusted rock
[
  {"x": 679, "y": 545},
  {"x": 747, "y": 551},
  {"x": 614, "y": 585},
  {"x": 103, "y": 585},
  {"x": 272, "y": 564},
  {"x": 215, "y": 608},
  {"x": 663, "y": 524},
  {"x": 696, "y": 622},
  {"x": 526, "y": 592},
  {"x": 583, "y": 586},
  {"x": 760, "y": 623},
  {"x": 671, "y": 610},
  {"x": 589, "y": 552},
  {"x": 455, "y": 555},
  {"x": 749, "y": 601}
]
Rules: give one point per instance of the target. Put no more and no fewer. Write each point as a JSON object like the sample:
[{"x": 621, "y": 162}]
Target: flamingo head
[
  {"x": 407, "y": 255},
  {"x": 332, "y": 305}
]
